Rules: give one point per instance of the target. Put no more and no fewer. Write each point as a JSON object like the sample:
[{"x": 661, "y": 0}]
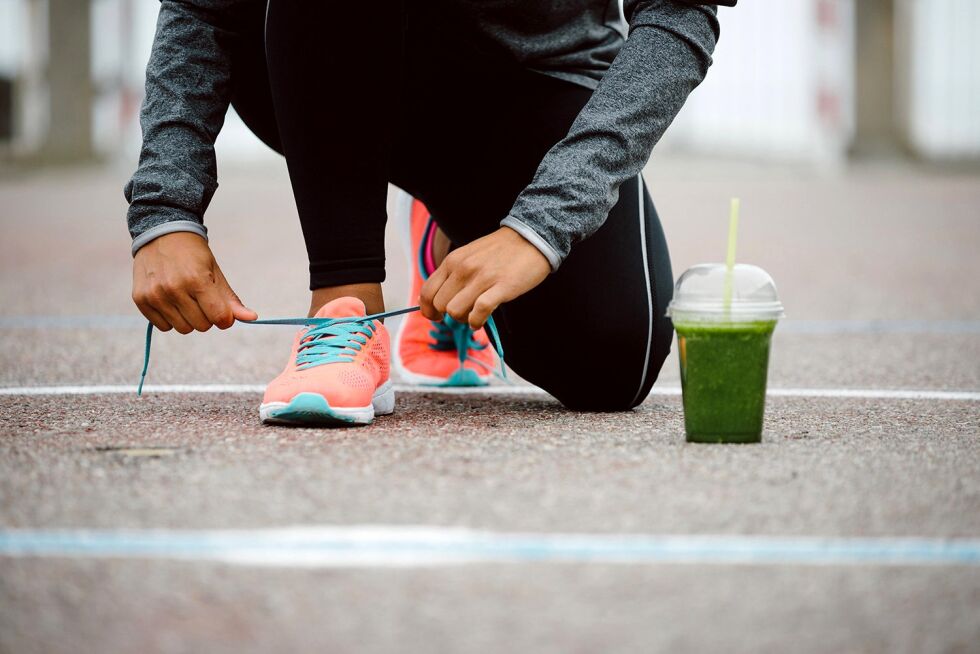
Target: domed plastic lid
[{"x": 700, "y": 294}]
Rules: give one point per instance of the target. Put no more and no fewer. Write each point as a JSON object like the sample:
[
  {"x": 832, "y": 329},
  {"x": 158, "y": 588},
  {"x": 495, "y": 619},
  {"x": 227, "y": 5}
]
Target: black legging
[{"x": 393, "y": 97}]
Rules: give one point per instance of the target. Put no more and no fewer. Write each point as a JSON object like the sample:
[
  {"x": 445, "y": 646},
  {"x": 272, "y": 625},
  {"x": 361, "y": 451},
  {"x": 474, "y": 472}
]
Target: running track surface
[{"x": 479, "y": 521}]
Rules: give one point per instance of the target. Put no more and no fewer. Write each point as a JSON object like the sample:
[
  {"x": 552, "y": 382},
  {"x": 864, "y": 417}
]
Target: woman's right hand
[{"x": 178, "y": 284}]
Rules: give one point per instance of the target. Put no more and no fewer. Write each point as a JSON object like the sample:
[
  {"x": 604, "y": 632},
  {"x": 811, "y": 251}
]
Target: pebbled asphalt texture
[{"x": 876, "y": 264}]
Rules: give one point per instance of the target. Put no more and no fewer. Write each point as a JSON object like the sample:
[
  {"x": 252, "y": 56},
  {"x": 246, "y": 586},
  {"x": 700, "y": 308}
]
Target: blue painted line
[
  {"x": 73, "y": 322},
  {"x": 788, "y": 326},
  {"x": 340, "y": 546},
  {"x": 838, "y": 327}
]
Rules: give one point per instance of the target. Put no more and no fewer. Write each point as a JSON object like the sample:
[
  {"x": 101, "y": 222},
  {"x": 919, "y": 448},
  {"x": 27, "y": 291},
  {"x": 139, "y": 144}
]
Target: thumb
[{"x": 239, "y": 310}]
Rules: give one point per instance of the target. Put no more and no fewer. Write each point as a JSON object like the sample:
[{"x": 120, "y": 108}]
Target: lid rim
[
  {"x": 721, "y": 306},
  {"x": 775, "y": 310},
  {"x": 730, "y": 317},
  {"x": 699, "y": 293}
]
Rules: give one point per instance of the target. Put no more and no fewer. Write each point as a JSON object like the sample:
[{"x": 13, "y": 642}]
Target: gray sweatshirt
[{"x": 642, "y": 63}]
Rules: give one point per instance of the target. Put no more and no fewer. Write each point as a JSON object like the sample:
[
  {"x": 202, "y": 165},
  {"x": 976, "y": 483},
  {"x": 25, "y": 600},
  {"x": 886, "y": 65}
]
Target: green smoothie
[{"x": 723, "y": 377}]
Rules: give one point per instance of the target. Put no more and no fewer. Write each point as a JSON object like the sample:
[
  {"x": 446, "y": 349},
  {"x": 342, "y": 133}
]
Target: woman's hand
[
  {"x": 178, "y": 284},
  {"x": 477, "y": 278}
]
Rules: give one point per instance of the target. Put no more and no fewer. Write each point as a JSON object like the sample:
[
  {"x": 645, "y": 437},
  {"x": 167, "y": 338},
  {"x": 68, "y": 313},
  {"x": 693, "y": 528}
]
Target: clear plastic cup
[{"x": 724, "y": 350}]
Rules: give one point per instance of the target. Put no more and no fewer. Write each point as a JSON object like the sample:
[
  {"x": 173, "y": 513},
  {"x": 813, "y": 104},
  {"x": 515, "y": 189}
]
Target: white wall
[
  {"x": 12, "y": 37},
  {"x": 939, "y": 75},
  {"x": 23, "y": 57},
  {"x": 781, "y": 86}
]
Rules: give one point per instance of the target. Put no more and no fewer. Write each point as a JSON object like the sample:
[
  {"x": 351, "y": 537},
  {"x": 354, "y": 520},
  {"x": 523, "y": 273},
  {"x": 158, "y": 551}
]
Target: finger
[
  {"x": 215, "y": 306},
  {"x": 192, "y": 313},
  {"x": 238, "y": 309},
  {"x": 429, "y": 290},
  {"x": 172, "y": 314},
  {"x": 461, "y": 305},
  {"x": 447, "y": 292},
  {"x": 484, "y": 305},
  {"x": 154, "y": 317}
]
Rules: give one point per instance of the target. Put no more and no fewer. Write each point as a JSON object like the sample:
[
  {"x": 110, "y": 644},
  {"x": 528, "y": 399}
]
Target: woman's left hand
[{"x": 477, "y": 278}]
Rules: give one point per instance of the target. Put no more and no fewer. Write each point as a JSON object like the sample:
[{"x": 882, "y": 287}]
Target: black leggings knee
[{"x": 595, "y": 334}]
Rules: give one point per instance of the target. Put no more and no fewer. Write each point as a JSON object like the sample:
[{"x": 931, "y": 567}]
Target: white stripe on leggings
[{"x": 646, "y": 279}]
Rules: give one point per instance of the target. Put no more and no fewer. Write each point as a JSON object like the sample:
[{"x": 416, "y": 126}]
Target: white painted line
[
  {"x": 875, "y": 394},
  {"x": 412, "y": 546},
  {"x": 517, "y": 389},
  {"x": 123, "y": 389}
]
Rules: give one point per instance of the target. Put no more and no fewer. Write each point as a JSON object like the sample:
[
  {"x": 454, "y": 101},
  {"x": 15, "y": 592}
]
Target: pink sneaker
[
  {"x": 436, "y": 353},
  {"x": 337, "y": 374}
]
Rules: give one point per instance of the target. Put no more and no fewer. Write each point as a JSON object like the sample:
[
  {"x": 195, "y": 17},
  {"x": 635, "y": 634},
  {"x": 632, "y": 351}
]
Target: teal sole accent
[
  {"x": 463, "y": 377},
  {"x": 308, "y": 409}
]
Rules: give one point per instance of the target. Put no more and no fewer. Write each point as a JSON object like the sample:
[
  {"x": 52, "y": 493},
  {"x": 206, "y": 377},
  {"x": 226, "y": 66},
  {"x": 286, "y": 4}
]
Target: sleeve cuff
[
  {"x": 169, "y": 228},
  {"x": 534, "y": 239}
]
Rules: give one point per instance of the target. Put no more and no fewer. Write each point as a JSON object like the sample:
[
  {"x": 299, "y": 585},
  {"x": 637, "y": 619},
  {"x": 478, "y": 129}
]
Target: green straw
[{"x": 730, "y": 260}]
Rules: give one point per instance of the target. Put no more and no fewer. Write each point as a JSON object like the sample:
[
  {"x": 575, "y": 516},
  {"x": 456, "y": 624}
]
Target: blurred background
[
  {"x": 840, "y": 123},
  {"x": 813, "y": 81}
]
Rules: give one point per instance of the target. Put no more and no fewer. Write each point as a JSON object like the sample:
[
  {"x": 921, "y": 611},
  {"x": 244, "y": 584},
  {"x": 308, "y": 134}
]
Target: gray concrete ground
[{"x": 878, "y": 269}]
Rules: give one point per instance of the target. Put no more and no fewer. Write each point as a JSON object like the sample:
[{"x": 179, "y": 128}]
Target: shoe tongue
[{"x": 342, "y": 307}]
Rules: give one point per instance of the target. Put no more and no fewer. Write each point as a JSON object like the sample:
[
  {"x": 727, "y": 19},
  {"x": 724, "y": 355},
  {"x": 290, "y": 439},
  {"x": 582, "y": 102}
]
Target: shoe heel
[{"x": 384, "y": 400}]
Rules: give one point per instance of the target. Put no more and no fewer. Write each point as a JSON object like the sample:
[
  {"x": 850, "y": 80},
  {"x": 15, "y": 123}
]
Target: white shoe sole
[{"x": 313, "y": 409}]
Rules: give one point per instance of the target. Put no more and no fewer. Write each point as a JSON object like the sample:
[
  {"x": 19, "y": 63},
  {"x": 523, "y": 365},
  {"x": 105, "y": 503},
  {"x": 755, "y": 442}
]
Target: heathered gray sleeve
[
  {"x": 665, "y": 57},
  {"x": 188, "y": 90}
]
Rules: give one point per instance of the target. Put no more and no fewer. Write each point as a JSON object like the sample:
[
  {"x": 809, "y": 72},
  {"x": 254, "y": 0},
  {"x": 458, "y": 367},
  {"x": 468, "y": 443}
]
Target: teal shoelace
[
  {"x": 331, "y": 340},
  {"x": 449, "y": 334},
  {"x": 332, "y": 343}
]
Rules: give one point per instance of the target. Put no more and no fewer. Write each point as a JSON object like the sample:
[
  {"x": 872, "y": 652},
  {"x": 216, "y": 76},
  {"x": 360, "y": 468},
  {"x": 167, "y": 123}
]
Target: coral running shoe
[
  {"x": 446, "y": 353},
  {"x": 338, "y": 372}
]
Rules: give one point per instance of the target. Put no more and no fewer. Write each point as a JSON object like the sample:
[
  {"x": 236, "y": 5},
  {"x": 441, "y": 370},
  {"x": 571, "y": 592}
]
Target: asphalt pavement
[{"x": 853, "y": 527}]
